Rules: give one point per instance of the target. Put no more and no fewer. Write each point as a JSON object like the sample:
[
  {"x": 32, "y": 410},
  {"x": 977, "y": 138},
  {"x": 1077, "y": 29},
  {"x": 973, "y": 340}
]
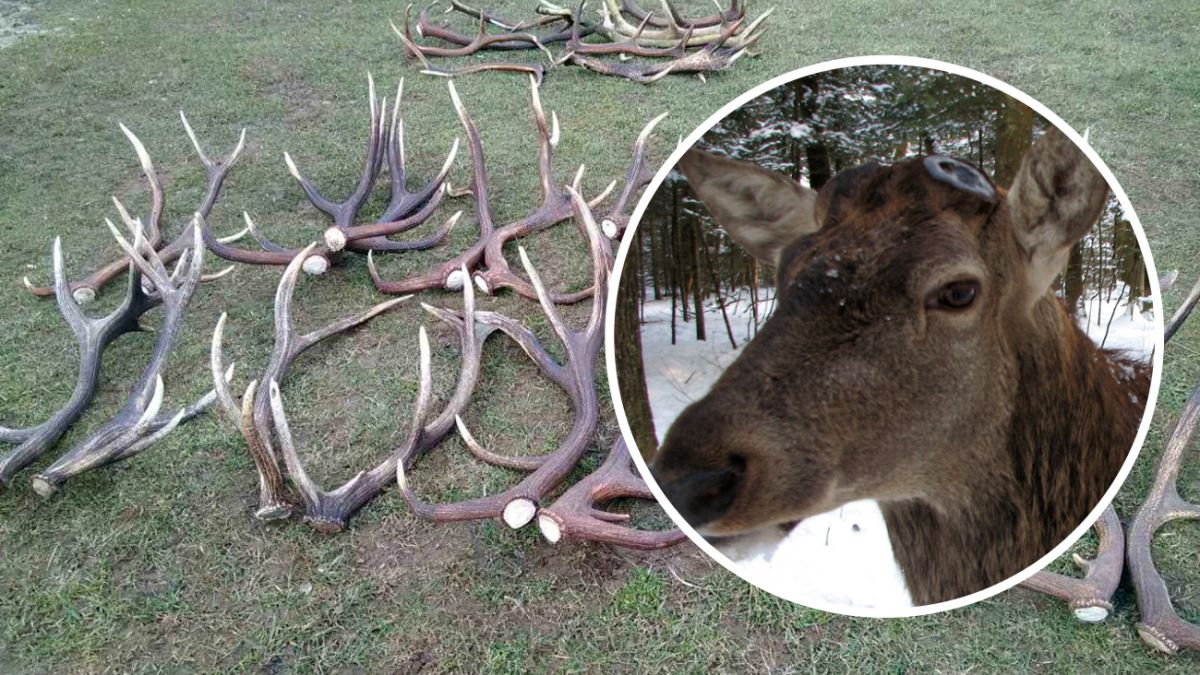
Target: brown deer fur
[{"x": 987, "y": 432}]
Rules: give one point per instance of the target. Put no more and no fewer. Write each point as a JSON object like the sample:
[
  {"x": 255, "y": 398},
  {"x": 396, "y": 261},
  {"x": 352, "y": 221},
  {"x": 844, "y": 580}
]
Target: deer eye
[{"x": 954, "y": 296}]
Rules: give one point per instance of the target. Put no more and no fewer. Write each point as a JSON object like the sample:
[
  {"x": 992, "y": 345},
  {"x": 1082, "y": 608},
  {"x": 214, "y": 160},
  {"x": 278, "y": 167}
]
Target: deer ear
[
  {"x": 1056, "y": 197},
  {"x": 762, "y": 211}
]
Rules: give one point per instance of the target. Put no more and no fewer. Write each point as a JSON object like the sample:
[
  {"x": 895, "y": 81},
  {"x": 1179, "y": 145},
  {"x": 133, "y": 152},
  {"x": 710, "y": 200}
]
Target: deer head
[{"x": 913, "y": 301}]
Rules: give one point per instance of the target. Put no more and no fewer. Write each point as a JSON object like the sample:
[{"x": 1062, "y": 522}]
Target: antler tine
[
  {"x": 68, "y": 306},
  {"x": 156, "y": 191},
  {"x": 283, "y": 434},
  {"x": 217, "y": 366},
  {"x": 1161, "y": 626},
  {"x": 636, "y": 177},
  {"x": 575, "y": 514},
  {"x": 601, "y": 266},
  {"x": 1183, "y": 312},
  {"x": 548, "y": 306},
  {"x": 546, "y": 141}
]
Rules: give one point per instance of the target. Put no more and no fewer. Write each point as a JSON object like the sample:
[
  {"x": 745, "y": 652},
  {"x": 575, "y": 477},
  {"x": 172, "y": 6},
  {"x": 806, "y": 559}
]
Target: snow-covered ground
[{"x": 842, "y": 558}]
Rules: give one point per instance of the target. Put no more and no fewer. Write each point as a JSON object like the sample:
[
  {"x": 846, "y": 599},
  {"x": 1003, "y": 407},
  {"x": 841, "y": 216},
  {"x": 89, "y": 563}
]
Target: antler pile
[{"x": 660, "y": 41}]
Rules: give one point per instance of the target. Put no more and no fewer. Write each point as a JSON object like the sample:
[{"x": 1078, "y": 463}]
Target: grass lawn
[{"x": 157, "y": 563}]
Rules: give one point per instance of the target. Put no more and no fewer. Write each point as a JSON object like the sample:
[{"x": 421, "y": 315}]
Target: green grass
[{"x": 158, "y": 565}]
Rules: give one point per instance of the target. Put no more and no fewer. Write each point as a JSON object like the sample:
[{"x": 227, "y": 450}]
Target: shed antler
[
  {"x": 253, "y": 416},
  {"x": 329, "y": 511},
  {"x": 92, "y": 335},
  {"x": 405, "y": 211},
  {"x": 85, "y": 289},
  {"x": 138, "y": 425},
  {"x": 1090, "y": 598},
  {"x": 575, "y": 514},
  {"x": 1161, "y": 626},
  {"x": 487, "y": 250},
  {"x": 518, "y": 505}
]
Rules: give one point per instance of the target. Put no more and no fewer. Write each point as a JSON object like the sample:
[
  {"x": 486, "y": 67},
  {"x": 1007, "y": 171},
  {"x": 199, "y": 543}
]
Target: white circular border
[{"x": 1156, "y": 360}]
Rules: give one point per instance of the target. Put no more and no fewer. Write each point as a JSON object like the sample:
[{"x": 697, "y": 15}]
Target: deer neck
[{"x": 1074, "y": 418}]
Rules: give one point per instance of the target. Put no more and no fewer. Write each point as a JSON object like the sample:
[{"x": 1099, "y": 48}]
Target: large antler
[
  {"x": 92, "y": 336},
  {"x": 576, "y": 513},
  {"x": 518, "y": 505},
  {"x": 486, "y": 256},
  {"x": 85, "y": 290},
  {"x": 138, "y": 425},
  {"x": 253, "y": 416},
  {"x": 1161, "y": 626},
  {"x": 405, "y": 211},
  {"x": 329, "y": 511}
]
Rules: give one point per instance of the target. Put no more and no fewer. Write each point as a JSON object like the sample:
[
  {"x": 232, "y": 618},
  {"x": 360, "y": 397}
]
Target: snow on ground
[{"x": 842, "y": 558}]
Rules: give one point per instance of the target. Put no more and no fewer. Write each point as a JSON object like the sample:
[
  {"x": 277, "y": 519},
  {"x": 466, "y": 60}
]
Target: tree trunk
[
  {"x": 696, "y": 238},
  {"x": 631, "y": 375},
  {"x": 1014, "y": 135}
]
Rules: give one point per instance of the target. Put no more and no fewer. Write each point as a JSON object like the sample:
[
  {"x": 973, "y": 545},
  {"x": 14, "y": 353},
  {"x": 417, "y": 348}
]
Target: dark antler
[
  {"x": 138, "y": 425},
  {"x": 518, "y": 505},
  {"x": 1161, "y": 626},
  {"x": 1090, "y": 598},
  {"x": 92, "y": 335},
  {"x": 406, "y": 209},
  {"x": 85, "y": 290},
  {"x": 253, "y": 415},
  {"x": 575, "y": 514}
]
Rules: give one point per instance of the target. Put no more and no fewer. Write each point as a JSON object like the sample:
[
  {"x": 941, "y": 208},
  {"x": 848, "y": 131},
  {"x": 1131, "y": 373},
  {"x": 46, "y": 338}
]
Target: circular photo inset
[{"x": 887, "y": 336}]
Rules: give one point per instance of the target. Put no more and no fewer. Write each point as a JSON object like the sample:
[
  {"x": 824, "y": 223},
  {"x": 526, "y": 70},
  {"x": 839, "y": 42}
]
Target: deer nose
[{"x": 703, "y": 495}]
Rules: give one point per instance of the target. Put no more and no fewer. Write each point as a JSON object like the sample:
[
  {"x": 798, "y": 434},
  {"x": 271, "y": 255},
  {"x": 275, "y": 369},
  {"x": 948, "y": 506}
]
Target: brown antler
[
  {"x": 138, "y": 425},
  {"x": 468, "y": 45},
  {"x": 406, "y": 209},
  {"x": 518, "y": 505},
  {"x": 253, "y": 416},
  {"x": 329, "y": 511},
  {"x": 488, "y": 248},
  {"x": 85, "y": 290},
  {"x": 1090, "y": 598},
  {"x": 575, "y": 514},
  {"x": 1161, "y": 626}
]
